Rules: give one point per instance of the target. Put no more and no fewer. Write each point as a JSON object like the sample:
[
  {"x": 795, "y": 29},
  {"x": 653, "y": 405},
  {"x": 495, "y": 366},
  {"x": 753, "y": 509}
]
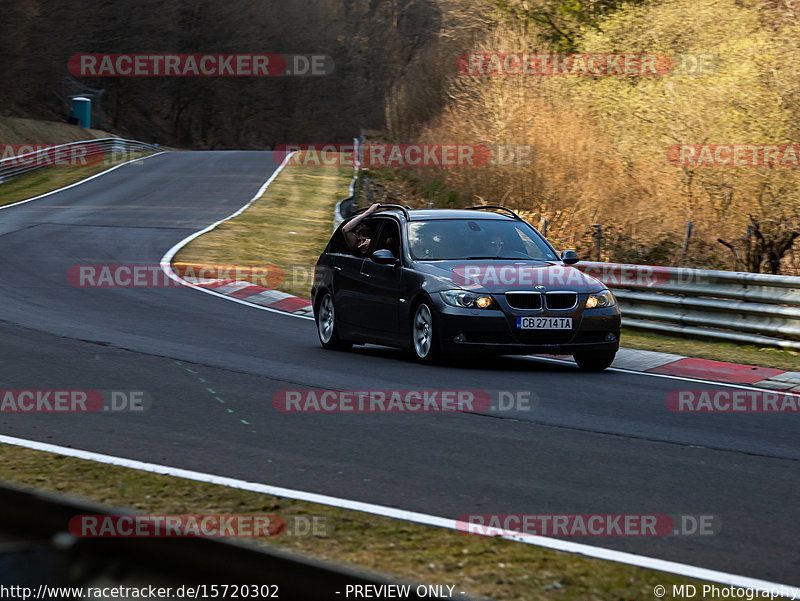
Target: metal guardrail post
[
  {"x": 598, "y": 238},
  {"x": 339, "y": 209}
]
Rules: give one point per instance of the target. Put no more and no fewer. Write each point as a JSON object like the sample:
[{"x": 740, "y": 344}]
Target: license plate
[{"x": 544, "y": 323}]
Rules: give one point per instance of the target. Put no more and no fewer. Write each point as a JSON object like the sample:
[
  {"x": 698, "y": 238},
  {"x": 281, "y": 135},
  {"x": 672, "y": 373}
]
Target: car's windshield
[{"x": 454, "y": 239}]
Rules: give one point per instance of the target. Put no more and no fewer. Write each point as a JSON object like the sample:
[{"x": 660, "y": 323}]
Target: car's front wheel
[
  {"x": 594, "y": 361},
  {"x": 327, "y": 327},
  {"x": 424, "y": 340}
]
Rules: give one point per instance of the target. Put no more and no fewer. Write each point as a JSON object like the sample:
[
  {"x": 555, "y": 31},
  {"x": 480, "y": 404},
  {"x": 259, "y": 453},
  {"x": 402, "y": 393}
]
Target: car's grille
[
  {"x": 561, "y": 300},
  {"x": 524, "y": 300}
]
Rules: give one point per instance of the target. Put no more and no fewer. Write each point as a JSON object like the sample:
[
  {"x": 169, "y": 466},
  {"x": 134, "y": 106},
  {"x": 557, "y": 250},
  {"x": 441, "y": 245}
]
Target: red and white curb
[
  {"x": 258, "y": 295},
  {"x": 732, "y": 373},
  {"x": 667, "y": 364},
  {"x": 242, "y": 292}
]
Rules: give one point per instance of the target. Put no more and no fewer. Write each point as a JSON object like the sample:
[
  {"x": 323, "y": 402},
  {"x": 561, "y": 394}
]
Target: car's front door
[
  {"x": 345, "y": 281},
  {"x": 381, "y": 284}
]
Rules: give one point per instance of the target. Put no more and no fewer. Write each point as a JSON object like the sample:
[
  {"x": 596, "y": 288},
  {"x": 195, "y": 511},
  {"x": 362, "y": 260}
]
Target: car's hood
[{"x": 495, "y": 275}]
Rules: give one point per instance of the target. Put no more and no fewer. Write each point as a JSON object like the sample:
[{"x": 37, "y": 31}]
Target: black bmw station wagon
[{"x": 442, "y": 281}]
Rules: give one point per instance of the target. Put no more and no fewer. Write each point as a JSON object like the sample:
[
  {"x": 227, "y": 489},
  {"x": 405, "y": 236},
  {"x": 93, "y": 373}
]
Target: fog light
[{"x": 610, "y": 337}]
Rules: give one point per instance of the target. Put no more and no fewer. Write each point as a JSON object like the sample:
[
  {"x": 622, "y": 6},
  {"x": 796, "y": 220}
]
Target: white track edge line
[
  {"x": 412, "y": 516},
  {"x": 79, "y": 182},
  {"x": 589, "y": 550},
  {"x": 166, "y": 260}
]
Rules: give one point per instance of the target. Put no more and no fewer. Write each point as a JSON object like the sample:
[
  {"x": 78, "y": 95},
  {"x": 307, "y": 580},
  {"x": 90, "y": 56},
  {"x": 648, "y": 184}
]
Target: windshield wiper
[{"x": 501, "y": 257}]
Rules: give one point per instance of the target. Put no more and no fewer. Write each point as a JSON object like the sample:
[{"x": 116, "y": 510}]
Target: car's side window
[
  {"x": 365, "y": 230},
  {"x": 369, "y": 229},
  {"x": 531, "y": 248},
  {"x": 389, "y": 237}
]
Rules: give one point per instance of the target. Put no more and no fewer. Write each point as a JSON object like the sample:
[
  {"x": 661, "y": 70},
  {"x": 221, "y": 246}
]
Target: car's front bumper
[{"x": 495, "y": 331}]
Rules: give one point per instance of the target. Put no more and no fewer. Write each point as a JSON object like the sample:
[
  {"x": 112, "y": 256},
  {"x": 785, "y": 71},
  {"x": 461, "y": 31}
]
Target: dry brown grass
[{"x": 602, "y": 142}]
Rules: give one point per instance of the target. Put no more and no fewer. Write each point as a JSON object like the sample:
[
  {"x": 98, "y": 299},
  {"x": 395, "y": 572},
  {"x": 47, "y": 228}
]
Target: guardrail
[
  {"x": 752, "y": 308},
  {"x": 86, "y": 152},
  {"x": 38, "y": 550}
]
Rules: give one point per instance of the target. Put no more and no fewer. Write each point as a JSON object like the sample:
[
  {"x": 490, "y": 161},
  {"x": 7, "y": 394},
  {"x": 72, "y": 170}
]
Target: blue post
[{"x": 82, "y": 110}]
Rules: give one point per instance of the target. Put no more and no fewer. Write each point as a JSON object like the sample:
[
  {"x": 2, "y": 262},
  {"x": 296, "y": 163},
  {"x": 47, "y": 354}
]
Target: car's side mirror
[
  {"x": 570, "y": 257},
  {"x": 384, "y": 256}
]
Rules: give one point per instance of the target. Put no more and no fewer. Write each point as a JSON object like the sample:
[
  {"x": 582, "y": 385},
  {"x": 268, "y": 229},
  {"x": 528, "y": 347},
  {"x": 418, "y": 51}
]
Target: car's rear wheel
[
  {"x": 594, "y": 361},
  {"x": 327, "y": 327},
  {"x": 424, "y": 340}
]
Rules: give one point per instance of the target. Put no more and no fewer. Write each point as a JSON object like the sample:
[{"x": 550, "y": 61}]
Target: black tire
[
  {"x": 327, "y": 329},
  {"x": 594, "y": 361},
  {"x": 424, "y": 337}
]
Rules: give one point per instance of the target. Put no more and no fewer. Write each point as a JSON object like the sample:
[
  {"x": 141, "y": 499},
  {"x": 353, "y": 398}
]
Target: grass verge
[
  {"x": 14, "y": 130},
  {"x": 485, "y": 566},
  {"x": 288, "y": 226},
  {"x": 52, "y": 178},
  {"x": 705, "y": 349}
]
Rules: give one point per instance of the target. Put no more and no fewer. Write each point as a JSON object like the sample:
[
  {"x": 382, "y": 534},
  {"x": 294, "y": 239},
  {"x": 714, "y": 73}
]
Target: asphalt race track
[{"x": 594, "y": 443}]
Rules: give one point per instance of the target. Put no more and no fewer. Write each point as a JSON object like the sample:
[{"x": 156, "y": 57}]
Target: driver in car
[
  {"x": 357, "y": 234},
  {"x": 496, "y": 244}
]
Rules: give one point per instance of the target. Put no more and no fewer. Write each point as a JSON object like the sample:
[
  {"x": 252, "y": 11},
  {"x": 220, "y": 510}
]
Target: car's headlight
[
  {"x": 467, "y": 300},
  {"x": 601, "y": 299}
]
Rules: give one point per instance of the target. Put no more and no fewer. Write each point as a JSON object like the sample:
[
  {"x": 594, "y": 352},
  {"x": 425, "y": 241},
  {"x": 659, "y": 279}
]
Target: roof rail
[
  {"x": 496, "y": 208},
  {"x": 398, "y": 207}
]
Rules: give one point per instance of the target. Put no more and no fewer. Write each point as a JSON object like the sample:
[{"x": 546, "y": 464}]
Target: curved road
[{"x": 595, "y": 443}]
